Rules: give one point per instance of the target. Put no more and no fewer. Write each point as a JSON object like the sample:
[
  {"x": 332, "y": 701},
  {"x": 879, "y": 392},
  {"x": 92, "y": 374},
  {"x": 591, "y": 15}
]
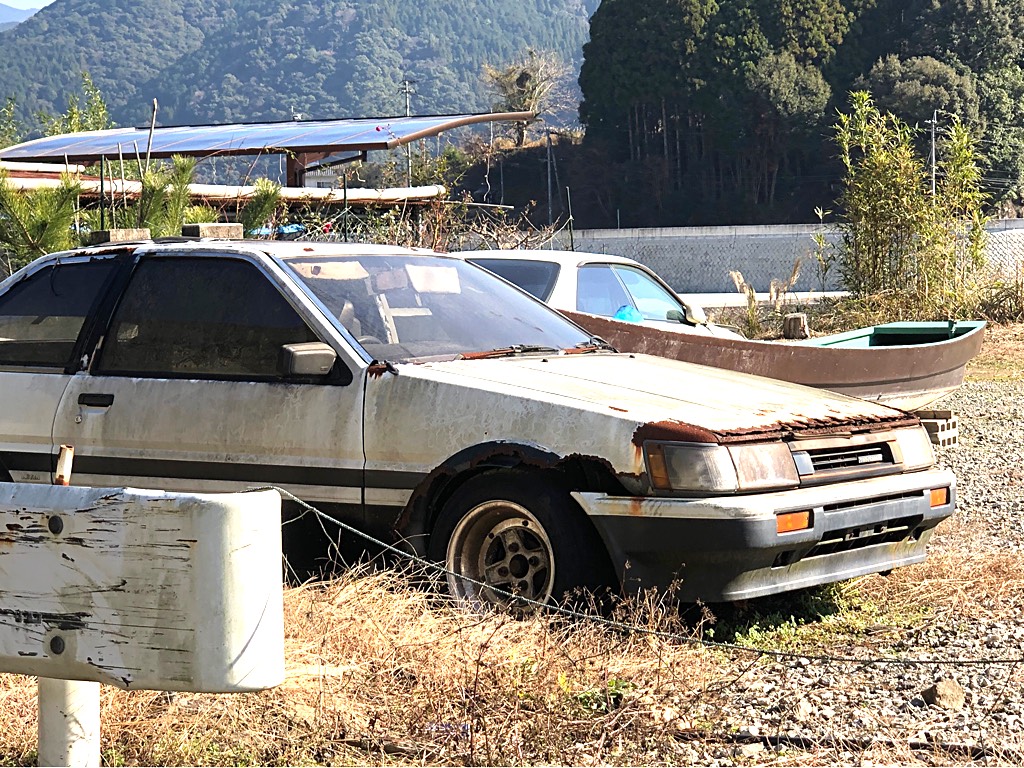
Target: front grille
[
  {"x": 873, "y": 500},
  {"x": 888, "y": 532},
  {"x": 832, "y": 459}
]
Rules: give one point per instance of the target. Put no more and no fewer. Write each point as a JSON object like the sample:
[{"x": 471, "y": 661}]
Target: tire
[{"x": 521, "y": 534}]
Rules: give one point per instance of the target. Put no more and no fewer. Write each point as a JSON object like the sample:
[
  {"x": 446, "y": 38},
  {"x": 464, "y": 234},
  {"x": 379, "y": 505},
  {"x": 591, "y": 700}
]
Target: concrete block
[
  {"x": 223, "y": 231},
  {"x": 100, "y": 236}
]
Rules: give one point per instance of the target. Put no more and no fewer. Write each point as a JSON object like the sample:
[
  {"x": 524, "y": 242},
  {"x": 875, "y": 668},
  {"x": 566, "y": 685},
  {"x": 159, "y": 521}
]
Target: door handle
[{"x": 95, "y": 400}]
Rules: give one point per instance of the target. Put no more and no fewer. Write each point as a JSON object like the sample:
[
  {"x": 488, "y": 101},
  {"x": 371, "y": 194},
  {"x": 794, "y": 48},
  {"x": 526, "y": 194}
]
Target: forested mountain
[
  {"x": 225, "y": 60},
  {"x": 722, "y": 110}
]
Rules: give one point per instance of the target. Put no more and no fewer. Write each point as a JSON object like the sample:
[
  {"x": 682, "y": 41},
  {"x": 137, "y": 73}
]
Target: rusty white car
[
  {"x": 599, "y": 284},
  {"x": 419, "y": 397}
]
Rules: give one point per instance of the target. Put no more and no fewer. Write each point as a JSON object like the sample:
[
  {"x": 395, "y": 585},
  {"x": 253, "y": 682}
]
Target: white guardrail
[{"x": 137, "y": 589}]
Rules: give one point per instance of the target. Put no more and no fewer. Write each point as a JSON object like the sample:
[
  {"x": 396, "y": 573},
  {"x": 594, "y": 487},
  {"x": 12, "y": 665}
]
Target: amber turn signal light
[
  {"x": 793, "y": 521},
  {"x": 940, "y": 497}
]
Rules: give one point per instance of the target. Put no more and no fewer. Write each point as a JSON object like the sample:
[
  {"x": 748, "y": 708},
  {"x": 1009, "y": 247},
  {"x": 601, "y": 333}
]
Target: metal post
[
  {"x": 935, "y": 119},
  {"x": 69, "y": 710},
  {"x": 103, "y": 218},
  {"x": 407, "y": 89},
  {"x": 345, "y": 213},
  {"x": 149, "y": 144},
  {"x": 551, "y": 218},
  {"x": 69, "y": 723},
  {"x": 568, "y": 204}
]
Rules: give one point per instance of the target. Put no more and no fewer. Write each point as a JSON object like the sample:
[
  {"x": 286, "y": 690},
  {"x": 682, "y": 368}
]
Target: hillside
[{"x": 225, "y": 60}]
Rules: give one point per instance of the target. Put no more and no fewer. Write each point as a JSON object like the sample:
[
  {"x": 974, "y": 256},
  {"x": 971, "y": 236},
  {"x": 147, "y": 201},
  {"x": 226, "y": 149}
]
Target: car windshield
[{"x": 407, "y": 307}]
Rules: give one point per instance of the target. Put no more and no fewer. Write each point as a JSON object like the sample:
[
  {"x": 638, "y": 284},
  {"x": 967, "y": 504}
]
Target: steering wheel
[{"x": 364, "y": 340}]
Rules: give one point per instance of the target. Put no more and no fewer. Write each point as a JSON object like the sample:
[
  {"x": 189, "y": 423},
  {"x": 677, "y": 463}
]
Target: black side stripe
[{"x": 260, "y": 474}]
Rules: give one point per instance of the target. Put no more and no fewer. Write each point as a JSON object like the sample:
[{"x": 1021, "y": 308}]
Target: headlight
[
  {"x": 717, "y": 469},
  {"x": 915, "y": 448}
]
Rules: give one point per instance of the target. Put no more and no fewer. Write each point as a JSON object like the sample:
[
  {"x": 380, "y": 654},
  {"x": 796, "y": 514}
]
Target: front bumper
[{"x": 728, "y": 548}]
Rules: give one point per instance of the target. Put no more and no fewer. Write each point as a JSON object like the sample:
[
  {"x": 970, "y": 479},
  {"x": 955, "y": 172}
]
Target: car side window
[
  {"x": 41, "y": 316},
  {"x": 599, "y": 292},
  {"x": 653, "y": 301},
  {"x": 200, "y": 318},
  {"x": 535, "y": 277}
]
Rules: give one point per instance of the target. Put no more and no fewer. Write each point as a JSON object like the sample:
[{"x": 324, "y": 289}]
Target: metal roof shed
[{"x": 305, "y": 142}]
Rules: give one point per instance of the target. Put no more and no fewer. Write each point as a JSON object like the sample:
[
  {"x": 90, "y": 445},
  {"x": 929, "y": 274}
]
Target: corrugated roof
[
  {"x": 220, "y": 193},
  {"x": 295, "y": 137}
]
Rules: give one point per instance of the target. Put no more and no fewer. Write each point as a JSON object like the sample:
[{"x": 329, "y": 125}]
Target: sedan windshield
[{"x": 406, "y": 307}]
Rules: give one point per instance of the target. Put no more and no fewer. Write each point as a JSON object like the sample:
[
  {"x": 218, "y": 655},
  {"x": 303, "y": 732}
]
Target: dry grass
[
  {"x": 383, "y": 672},
  {"x": 1002, "y": 355},
  {"x": 380, "y": 672}
]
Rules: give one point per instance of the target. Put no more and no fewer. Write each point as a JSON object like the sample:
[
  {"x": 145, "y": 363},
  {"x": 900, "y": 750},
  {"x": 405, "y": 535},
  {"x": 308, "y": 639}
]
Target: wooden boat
[{"x": 905, "y": 365}]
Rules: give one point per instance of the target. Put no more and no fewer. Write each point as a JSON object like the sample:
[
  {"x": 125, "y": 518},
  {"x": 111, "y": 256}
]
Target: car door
[
  {"x": 184, "y": 391},
  {"x": 42, "y": 314}
]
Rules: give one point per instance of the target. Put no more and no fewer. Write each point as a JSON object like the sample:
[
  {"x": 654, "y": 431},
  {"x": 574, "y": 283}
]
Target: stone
[
  {"x": 945, "y": 694},
  {"x": 803, "y": 710},
  {"x": 750, "y": 750},
  {"x": 795, "y": 326}
]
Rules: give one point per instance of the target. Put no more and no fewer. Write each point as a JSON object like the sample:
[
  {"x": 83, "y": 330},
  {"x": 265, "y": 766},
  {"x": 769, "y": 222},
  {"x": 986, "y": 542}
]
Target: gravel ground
[{"x": 791, "y": 711}]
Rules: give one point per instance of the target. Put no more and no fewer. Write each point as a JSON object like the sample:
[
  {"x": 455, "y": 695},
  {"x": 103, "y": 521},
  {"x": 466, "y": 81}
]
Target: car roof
[
  {"x": 278, "y": 248},
  {"x": 283, "y": 248},
  {"x": 563, "y": 258}
]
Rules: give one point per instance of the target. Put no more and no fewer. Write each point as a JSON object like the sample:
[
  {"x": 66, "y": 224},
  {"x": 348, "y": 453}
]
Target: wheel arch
[{"x": 578, "y": 472}]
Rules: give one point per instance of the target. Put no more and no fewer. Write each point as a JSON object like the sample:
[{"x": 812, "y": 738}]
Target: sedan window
[
  {"x": 200, "y": 318},
  {"x": 599, "y": 291},
  {"x": 649, "y": 296},
  {"x": 41, "y": 316},
  {"x": 535, "y": 277}
]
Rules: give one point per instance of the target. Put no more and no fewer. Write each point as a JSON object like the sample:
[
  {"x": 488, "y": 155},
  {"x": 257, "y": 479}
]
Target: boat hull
[{"x": 864, "y": 363}]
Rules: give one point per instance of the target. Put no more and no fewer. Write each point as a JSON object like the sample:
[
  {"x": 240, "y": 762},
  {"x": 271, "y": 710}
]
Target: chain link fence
[{"x": 699, "y": 259}]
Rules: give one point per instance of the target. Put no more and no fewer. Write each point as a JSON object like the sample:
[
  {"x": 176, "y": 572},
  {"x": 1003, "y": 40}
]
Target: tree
[
  {"x": 898, "y": 237},
  {"x": 35, "y": 223},
  {"x": 534, "y": 83},
  {"x": 915, "y": 88},
  {"x": 92, "y": 115},
  {"x": 263, "y": 208},
  {"x": 163, "y": 204},
  {"x": 10, "y": 128}
]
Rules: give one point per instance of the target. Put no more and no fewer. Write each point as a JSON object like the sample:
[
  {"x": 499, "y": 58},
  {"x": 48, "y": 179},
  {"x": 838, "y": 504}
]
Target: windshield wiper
[
  {"x": 511, "y": 351},
  {"x": 593, "y": 344}
]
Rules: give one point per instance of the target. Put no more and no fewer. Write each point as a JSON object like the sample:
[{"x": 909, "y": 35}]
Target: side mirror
[
  {"x": 312, "y": 358},
  {"x": 694, "y": 315}
]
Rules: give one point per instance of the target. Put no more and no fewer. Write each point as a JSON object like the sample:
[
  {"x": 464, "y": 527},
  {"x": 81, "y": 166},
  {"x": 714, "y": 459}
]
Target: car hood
[{"x": 670, "y": 399}]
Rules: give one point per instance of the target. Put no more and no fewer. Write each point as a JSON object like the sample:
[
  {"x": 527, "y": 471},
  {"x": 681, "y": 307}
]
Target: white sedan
[{"x": 599, "y": 284}]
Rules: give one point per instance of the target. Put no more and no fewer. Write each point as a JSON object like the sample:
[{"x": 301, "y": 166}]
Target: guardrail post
[{"x": 69, "y": 723}]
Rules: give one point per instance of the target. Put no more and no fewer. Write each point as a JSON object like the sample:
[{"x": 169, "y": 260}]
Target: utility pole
[
  {"x": 933, "y": 121},
  {"x": 406, "y": 88}
]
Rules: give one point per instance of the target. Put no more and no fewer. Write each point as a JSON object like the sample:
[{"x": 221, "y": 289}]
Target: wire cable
[{"x": 630, "y": 629}]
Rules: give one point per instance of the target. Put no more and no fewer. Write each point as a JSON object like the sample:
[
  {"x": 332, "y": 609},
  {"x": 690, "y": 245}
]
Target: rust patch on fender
[
  {"x": 809, "y": 427},
  {"x": 673, "y": 430}
]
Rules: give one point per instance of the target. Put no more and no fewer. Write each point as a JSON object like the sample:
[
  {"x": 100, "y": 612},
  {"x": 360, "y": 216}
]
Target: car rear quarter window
[
  {"x": 41, "y": 316},
  {"x": 200, "y": 317},
  {"x": 535, "y": 277}
]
